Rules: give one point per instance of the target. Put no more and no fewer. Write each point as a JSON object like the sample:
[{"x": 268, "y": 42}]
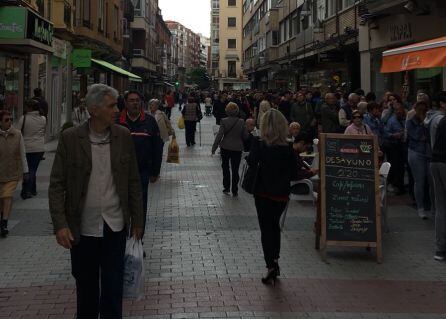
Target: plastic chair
[
  {"x": 383, "y": 173},
  {"x": 310, "y": 196}
]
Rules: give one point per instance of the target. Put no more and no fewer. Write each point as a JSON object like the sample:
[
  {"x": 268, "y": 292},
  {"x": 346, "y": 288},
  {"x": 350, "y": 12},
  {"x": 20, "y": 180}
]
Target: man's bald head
[
  {"x": 330, "y": 98},
  {"x": 250, "y": 124}
]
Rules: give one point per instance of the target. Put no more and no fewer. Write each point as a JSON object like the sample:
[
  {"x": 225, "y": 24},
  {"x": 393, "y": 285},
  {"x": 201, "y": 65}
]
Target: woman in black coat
[{"x": 277, "y": 168}]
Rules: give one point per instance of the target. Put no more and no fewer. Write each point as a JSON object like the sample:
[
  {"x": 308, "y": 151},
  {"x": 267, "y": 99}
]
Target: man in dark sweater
[
  {"x": 285, "y": 105},
  {"x": 147, "y": 140}
]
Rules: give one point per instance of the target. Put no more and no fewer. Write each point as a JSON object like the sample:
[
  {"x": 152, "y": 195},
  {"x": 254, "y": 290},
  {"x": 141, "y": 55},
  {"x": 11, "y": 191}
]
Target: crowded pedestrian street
[{"x": 204, "y": 257}]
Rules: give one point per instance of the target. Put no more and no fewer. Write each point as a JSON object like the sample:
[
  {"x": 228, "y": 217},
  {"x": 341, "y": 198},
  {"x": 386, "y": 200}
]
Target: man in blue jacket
[{"x": 147, "y": 140}]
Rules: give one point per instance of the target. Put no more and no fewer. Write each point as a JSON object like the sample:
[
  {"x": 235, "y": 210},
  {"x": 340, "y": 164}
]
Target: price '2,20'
[{"x": 348, "y": 173}]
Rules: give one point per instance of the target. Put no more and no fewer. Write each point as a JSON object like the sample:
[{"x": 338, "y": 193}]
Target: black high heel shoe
[{"x": 271, "y": 276}]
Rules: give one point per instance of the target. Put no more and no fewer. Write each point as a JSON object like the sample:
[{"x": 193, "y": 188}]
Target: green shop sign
[
  {"x": 12, "y": 22},
  {"x": 81, "y": 58},
  {"x": 21, "y": 23},
  {"x": 39, "y": 29}
]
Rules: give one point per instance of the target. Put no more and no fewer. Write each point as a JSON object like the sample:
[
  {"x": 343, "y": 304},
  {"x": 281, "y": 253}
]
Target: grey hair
[
  {"x": 274, "y": 128},
  {"x": 352, "y": 96},
  {"x": 152, "y": 101},
  {"x": 96, "y": 93}
]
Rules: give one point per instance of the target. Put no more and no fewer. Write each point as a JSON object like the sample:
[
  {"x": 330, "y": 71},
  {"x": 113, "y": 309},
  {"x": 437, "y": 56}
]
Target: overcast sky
[{"x": 193, "y": 14}]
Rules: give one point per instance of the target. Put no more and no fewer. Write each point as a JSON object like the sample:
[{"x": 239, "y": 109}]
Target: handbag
[
  {"x": 181, "y": 123},
  {"x": 173, "y": 152},
  {"x": 250, "y": 177}
]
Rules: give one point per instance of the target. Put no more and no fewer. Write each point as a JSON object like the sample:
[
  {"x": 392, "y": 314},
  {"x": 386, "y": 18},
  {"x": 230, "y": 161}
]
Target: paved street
[{"x": 204, "y": 258}]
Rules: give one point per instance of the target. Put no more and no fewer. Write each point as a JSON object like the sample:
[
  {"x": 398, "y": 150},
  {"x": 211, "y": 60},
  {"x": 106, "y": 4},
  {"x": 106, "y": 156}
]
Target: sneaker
[
  {"x": 226, "y": 192},
  {"x": 422, "y": 214},
  {"x": 440, "y": 255}
]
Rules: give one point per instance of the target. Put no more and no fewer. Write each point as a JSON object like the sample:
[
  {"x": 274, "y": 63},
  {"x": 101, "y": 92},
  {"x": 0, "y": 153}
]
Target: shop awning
[
  {"x": 427, "y": 54},
  {"x": 114, "y": 68}
]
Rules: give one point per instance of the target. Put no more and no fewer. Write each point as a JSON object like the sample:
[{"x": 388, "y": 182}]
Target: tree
[{"x": 200, "y": 77}]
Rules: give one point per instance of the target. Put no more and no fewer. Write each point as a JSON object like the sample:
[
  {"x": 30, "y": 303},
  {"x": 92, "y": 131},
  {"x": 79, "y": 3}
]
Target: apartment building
[
  {"x": 260, "y": 42},
  {"x": 205, "y": 43},
  {"x": 230, "y": 74},
  {"x": 164, "y": 51},
  {"x": 144, "y": 39},
  {"x": 308, "y": 43},
  {"x": 187, "y": 49},
  {"x": 214, "y": 56}
]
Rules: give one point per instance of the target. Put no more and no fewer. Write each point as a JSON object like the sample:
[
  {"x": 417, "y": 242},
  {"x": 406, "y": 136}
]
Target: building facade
[
  {"x": 187, "y": 50},
  {"x": 214, "y": 57},
  {"x": 230, "y": 75},
  {"x": 205, "y": 43},
  {"x": 391, "y": 24},
  {"x": 301, "y": 44}
]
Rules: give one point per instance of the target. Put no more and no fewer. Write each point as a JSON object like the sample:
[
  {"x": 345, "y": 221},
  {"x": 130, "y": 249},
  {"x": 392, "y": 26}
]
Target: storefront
[
  {"x": 393, "y": 32},
  {"x": 23, "y": 34}
]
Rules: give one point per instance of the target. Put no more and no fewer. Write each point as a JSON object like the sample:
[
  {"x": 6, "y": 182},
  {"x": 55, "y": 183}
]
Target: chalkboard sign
[{"x": 350, "y": 202}]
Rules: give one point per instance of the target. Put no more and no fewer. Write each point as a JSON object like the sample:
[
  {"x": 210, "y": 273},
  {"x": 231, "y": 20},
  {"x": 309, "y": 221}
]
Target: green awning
[{"x": 114, "y": 68}]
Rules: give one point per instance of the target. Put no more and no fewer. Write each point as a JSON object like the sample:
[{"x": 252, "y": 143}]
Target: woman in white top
[
  {"x": 165, "y": 127},
  {"x": 33, "y": 127},
  {"x": 80, "y": 114}
]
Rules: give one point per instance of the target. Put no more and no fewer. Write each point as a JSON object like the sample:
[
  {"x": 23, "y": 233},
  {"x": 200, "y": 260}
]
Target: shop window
[
  {"x": 232, "y": 22},
  {"x": 232, "y": 65}
]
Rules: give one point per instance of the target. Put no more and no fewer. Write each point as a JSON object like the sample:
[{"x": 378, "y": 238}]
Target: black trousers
[
  {"x": 268, "y": 213},
  {"x": 98, "y": 267},
  {"x": 191, "y": 127},
  {"x": 168, "y": 112},
  {"x": 233, "y": 157},
  {"x": 397, "y": 157}
]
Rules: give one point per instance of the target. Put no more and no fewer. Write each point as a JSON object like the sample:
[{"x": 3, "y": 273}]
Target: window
[
  {"x": 232, "y": 22},
  {"x": 331, "y": 8},
  {"x": 232, "y": 43},
  {"x": 232, "y": 65},
  {"x": 232, "y": 3},
  {"x": 101, "y": 15},
  {"x": 275, "y": 38},
  {"x": 347, "y": 3}
]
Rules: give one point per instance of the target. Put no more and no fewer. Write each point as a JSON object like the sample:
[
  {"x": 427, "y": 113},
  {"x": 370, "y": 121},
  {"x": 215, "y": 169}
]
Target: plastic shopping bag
[
  {"x": 133, "y": 269},
  {"x": 180, "y": 123},
  {"x": 173, "y": 152}
]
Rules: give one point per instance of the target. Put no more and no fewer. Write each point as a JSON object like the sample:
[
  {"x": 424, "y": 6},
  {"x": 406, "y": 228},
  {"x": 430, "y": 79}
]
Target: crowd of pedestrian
[{"x": 104, "y": 165}]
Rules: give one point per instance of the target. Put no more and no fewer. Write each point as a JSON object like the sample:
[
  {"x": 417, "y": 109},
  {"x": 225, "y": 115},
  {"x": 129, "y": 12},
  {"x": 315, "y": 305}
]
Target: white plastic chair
[
  {"x": 310, "y": 196},
  {"x": 383, "y": 173}
]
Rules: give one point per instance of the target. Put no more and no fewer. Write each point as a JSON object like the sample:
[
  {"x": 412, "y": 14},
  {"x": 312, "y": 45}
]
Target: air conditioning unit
[{"x": 138, "y": 52}]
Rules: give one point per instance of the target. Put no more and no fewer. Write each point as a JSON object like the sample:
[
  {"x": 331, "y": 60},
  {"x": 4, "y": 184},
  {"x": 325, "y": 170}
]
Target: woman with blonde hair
[
  {"x": 230, "y": 139},
  {"x": 277, "y": 167},
  {"x": 166, "y": 129},
  {"x": 264, "y": 107}
]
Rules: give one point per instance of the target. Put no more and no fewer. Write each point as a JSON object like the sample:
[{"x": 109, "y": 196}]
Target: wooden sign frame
[{"x": 322, "y": 214}]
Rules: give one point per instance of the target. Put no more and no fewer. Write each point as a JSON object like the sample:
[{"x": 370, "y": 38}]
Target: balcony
[{"x": 378, "y": 6}]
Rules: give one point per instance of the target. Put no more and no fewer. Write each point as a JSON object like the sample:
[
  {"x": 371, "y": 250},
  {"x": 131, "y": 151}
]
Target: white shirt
[{"x": 102, "y": 201}]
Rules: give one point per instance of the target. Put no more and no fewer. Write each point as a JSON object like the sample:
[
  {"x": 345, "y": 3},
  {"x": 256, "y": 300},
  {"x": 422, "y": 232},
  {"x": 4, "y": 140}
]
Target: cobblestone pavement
[{"x": 205, "y": 259}]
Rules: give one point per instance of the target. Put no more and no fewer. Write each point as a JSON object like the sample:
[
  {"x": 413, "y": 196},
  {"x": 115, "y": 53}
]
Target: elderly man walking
[{"x": 94, "y": 198}]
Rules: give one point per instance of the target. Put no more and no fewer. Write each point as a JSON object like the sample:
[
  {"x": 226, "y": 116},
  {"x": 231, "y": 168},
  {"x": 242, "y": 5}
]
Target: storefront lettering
[
  {"x": 400, "y": 32},
  {"x": 13, "y": 27},
  {"x": 43, "y": 33}
]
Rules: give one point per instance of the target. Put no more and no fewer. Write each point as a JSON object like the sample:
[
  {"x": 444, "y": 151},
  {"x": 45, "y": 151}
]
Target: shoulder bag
[{"x": 250, "y": 177}]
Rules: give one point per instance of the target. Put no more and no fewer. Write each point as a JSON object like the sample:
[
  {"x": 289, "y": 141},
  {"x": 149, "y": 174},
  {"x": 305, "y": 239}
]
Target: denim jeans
[
  {"x": 419, "y": 166},
  {"x": 438, "y": 171},
  {"x": 33, "y": 159}
]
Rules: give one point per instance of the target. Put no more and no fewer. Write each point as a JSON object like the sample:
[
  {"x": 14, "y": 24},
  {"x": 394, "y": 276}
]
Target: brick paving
[{"x": 205, "y": 260}]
